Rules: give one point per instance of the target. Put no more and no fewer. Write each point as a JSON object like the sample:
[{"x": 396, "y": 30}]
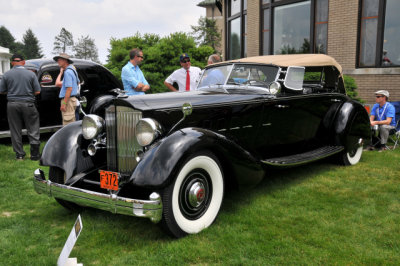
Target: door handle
[
  {"x": 335, "y": 100},
  {"x": 282, "y": 106}
]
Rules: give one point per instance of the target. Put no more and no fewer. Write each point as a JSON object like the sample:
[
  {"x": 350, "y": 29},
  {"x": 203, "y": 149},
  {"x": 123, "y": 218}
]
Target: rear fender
[
  {"x": 162, "y": 162},
  {"x": 63, "y": 150},
  {"x": 351, "y": 124}
]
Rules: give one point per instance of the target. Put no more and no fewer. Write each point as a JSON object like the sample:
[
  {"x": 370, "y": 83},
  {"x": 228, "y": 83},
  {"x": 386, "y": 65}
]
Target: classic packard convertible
[{"x": 170, "y": 157}]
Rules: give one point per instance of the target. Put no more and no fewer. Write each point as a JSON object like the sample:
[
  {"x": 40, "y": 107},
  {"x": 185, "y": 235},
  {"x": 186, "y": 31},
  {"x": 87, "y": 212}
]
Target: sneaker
[
  {"x": 35, "y": 158},
  {"x": 19, "y": 157},
  {"x": 369, "y": 148},
  {"x": 381, "y": 149}
]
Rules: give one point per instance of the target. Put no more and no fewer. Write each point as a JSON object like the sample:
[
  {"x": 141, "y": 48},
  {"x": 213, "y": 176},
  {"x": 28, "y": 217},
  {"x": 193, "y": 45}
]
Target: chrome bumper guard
[{"x": 151, "y": 209}]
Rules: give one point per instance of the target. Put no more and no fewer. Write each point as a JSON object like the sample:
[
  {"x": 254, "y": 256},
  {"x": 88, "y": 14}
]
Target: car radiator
[{"x": 122, "y": 145}]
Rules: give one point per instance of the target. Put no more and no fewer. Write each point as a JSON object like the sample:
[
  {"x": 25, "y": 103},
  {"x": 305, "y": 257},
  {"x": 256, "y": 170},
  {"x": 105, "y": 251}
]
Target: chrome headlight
[
  {"x": 92, "y": 126},
  {"x": 147, "y": 130}
]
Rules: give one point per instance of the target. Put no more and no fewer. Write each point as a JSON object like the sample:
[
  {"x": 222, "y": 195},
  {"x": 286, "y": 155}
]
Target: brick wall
[
  {"x": 253, "y": 28},
  {"x": 342, "y": 32},
  {"x": 368, "y": 84}
]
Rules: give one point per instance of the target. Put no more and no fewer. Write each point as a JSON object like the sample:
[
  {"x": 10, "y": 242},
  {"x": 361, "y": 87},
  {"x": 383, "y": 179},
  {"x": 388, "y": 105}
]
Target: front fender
[
  {"x": 63, "y": 150},
  {"x": 99, "y": 104},
  {"x": 162, "y": 162},
  {"x": 351, "y": 124}
]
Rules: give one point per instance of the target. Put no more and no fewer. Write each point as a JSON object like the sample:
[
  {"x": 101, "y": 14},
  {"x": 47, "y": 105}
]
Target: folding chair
[{"x": 394, "y": 134}]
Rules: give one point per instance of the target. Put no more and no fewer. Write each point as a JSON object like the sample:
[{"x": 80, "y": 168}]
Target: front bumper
[{"x": 151, "y": 208}]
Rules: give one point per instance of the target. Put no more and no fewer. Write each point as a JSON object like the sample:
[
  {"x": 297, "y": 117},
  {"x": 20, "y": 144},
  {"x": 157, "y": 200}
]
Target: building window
[
  {"x": 379, "y": 43},
  {"x": 294, "y": 26},
  {"x": 237, "y": 29}
]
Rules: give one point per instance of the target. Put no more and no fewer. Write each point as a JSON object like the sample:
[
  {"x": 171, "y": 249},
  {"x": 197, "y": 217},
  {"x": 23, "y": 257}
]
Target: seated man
[{"x": 382, "y": 117}]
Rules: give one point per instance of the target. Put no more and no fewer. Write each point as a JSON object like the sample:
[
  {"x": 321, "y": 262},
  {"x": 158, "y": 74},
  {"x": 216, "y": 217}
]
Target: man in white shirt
[{"x": 186, "y": 77}]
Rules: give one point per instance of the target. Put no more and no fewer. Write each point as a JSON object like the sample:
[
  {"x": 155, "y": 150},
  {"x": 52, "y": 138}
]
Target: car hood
[{"x": 174, "y": 100}]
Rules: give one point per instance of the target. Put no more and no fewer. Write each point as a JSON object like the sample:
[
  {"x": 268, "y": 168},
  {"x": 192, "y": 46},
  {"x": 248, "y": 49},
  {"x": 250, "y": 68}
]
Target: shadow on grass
[{"x": 274, "y": 180}]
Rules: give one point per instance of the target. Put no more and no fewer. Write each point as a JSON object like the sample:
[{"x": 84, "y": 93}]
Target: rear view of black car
[{"x": 95, "y": 80}]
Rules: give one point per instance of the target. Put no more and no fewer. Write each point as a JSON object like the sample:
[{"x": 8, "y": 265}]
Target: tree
[
  {"x": 86, "y": 49},
  {"x": 31, "y": 48},
  {"x": 161, "y": 56},
  {"x": 63, "y": 42},
  {"x": 6, "y": 38},
  {"x": 206, "y": 33}
]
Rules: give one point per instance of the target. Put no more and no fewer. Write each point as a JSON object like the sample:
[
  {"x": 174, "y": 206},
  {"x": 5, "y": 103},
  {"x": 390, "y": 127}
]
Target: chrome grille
[{"x": 121, "y": 141}]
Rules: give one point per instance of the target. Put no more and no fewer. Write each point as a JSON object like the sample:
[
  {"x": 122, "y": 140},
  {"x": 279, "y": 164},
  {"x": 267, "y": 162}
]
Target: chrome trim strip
[
  {"x": 151, "y": 208},
  {"x": 49, "y": 129}
]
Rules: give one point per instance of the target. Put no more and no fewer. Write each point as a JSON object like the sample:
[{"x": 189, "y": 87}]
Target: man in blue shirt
[
  {"x": 383, "y": 117},
  {"x": 213, "y": 76},
  {"x": 131, "y": 75},
  {"x": 69, "y": 88}
]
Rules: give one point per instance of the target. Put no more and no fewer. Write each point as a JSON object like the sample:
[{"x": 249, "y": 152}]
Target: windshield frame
[{"x": 232, "y": 67}]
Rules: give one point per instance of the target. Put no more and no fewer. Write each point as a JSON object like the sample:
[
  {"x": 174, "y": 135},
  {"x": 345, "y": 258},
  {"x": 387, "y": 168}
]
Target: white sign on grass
[{"x": 73, "y": 236}]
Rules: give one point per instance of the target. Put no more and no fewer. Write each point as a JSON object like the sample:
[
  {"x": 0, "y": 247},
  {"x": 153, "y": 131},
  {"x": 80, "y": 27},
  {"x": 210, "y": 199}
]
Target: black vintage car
[
  {"x": 143, "y": 157},
  {"x": 96, "y": 82}
]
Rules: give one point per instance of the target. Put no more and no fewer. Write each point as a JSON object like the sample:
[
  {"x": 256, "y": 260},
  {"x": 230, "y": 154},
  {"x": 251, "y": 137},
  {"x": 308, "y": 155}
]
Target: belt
[{"x": 69, "y": 96}]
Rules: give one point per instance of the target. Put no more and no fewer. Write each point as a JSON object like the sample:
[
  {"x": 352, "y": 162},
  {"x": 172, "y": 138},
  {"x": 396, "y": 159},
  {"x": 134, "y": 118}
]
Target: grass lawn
[{"x": 315, "y": 214}]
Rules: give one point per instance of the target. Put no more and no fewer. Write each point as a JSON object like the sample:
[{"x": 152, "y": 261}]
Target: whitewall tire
[{"x": 192, "y": 202}]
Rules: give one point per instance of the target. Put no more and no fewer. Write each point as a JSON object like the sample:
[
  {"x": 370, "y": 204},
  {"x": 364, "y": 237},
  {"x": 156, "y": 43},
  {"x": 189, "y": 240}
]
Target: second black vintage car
[
  {"x": 95, "y": 80},
  {"x": 142, "y": 157}
]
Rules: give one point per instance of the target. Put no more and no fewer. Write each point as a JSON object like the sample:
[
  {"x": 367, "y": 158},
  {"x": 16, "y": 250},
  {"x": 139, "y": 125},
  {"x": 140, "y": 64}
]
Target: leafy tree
[
  {"x": 86, "y": 49},
  {"x": 63, "y": 42},
  {"x": 161, "y": 55},
  {"x": 206, "y": 33},
  {"x": 6, "y": 38},
  {"x": 351, "y": 88},
  {"x": 31, "y": 47}
]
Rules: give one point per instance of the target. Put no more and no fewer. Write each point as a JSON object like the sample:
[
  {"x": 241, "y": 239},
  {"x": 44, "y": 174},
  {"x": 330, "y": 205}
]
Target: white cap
[{"x": 383, "y": 92}]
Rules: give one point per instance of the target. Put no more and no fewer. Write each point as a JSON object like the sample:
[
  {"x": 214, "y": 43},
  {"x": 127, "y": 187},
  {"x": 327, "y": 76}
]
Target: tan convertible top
[{"x": 292, "y": 60}]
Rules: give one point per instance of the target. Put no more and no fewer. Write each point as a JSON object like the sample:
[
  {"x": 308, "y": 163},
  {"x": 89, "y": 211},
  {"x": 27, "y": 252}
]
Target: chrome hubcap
[{"x": 196, "y": 194}]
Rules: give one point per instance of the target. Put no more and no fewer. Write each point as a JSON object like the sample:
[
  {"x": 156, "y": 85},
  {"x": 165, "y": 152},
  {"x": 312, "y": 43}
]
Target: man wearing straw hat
[{"x": 69, "y": 88}]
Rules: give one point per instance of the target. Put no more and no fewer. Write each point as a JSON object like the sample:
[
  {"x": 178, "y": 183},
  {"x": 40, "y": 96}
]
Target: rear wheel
[
  {"x": 192, "y": 202},
  {"x": 57, "y": 175},
  {"x": 351, "y": 157}
]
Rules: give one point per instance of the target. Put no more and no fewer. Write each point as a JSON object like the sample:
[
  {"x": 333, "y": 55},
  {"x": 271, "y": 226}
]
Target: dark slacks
[{"x": 18, "y": 115}]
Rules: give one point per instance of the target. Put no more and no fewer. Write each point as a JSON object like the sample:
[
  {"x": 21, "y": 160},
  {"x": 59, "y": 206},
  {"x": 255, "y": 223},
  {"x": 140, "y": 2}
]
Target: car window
[{"x": 255, "y": 75}]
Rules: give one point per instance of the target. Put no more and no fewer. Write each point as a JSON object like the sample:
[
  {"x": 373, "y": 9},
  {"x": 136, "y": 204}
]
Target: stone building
[{"x": 362, "y": 35}]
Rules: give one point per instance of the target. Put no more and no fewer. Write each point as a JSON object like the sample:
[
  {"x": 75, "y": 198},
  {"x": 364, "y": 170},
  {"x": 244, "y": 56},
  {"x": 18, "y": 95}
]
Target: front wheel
[{"x": 192, "y": 202}]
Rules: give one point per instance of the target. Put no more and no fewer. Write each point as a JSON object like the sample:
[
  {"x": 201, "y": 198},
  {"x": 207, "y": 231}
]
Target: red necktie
[{"x": 187, "y": 80}]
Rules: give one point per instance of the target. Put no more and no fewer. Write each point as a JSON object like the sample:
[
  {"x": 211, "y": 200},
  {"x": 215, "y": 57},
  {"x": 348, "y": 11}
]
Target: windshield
[{"x": 239, "y": 74}]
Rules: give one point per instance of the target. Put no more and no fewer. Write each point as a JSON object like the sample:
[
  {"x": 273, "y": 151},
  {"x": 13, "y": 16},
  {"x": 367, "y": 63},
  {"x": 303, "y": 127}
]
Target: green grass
[{"x": 315, "y": 214}]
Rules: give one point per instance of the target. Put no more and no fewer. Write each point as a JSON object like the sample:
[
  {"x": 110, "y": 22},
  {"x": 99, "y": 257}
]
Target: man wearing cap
[
  {"x": 69, "y": 88},
  {"x": 132, "y": 77},
  {"x": 186, "y": 77},
  {"x": 21, "y": 86},
  {"x": 383, "y": 117}
]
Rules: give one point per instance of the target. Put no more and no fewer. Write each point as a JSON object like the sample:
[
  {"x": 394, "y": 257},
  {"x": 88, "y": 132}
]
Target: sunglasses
[
  {"x": 379, "y": 96},
  {"x": 17, "y": 60},
  {"x": 139, "y": 56},
  {"x": 185, "y": 61}
]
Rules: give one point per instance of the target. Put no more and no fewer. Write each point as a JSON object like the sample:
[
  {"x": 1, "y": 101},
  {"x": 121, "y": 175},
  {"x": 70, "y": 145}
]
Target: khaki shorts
[{"x": 69, "y": 115}]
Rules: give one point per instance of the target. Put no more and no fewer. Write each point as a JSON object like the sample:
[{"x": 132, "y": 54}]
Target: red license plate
[{"x": 108, "y": 180}]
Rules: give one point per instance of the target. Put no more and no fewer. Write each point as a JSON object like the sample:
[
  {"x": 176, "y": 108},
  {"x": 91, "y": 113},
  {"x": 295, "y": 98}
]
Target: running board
[{"x": 303, "y": 158}]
